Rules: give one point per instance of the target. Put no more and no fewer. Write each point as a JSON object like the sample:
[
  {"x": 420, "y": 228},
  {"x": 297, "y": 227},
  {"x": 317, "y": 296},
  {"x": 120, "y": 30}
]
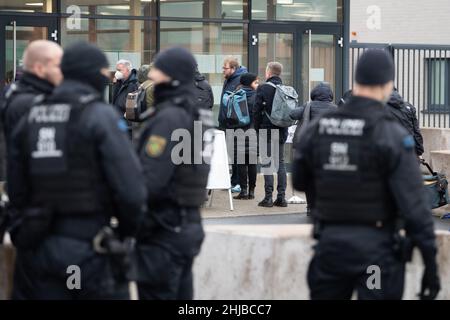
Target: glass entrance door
[
  {"x": 273, "y": 43},
  {"x": 15, "y": 35},
  {"x": 309, "y": 53},
  {"x": 321, "y": 60}
]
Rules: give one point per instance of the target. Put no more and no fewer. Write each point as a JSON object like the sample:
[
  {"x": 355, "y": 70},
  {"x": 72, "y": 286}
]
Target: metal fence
[{"x": 422, "y": 77}]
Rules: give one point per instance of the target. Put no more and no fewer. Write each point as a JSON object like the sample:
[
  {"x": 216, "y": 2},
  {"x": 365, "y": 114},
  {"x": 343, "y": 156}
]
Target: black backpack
[{"x": 203, "y": 95}]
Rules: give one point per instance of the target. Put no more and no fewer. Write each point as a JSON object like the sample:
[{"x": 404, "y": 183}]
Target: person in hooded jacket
[
  {"x": 204, "y": 97},
  {"x": 172, "y": 232},
  {"x": 321, "y": 103},
  {"x": 247, "y": 169},
  {"x": 146, "y": 84},
  {"x": 405, "y": 113},
  {"x": 74, "y": 170}
]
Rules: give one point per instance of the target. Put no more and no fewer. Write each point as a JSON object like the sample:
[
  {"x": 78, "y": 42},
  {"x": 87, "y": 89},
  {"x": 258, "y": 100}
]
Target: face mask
[{"x": 118, "y": 75}]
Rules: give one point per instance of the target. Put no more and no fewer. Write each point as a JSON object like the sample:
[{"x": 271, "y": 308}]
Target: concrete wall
[
  {"x": 435, "y": 139},
  {"x": 270, "y": 262},
  {"x": 411, "y": 21},
  {"x": 7, "y": 255}
]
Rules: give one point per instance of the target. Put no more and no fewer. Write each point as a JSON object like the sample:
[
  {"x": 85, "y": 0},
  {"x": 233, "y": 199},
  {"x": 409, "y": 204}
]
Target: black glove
[{"x": 430, "y": 282}]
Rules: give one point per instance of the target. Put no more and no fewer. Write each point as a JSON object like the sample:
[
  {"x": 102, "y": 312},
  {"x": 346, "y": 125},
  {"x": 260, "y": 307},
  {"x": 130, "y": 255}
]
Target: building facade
[
  {"x": 406, "y": 22},
  {"x": 305, "y": 35}
]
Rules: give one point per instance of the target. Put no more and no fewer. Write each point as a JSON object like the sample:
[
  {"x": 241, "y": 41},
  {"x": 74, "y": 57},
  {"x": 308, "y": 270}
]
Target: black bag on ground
[{"x": 436, "y": 186}]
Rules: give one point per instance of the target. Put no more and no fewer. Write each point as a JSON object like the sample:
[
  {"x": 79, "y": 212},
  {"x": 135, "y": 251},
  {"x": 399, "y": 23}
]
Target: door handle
[
  {"x": 54, "y": 35},
  {"x": 254, "y": 40}
]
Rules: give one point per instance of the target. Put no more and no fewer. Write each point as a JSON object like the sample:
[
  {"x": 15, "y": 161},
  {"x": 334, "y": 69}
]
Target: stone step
[
  {"x": 435, "y": 139},
  {"x": 440, "y": 161}
]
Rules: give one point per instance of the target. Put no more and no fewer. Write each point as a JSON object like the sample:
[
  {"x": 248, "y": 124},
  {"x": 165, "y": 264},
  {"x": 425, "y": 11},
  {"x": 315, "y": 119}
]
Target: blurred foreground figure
[
  {"x": 369, "y": 208},
  {"x": 172, "y": 233},
  {"x": 41, "y": 66},
  {"x": 74, "y": 169}
]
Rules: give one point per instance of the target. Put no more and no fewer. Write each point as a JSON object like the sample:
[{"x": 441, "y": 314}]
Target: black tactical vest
[
  {"x": 350, "y": 185},
  {"x": 191, "y": 179},
  {"x": 62, "y": 161}
]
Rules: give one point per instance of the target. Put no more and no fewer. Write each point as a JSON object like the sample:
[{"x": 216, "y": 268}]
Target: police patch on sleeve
[
  {"x": 155, "y": 146},
  {"x": 408, "y": 142}
]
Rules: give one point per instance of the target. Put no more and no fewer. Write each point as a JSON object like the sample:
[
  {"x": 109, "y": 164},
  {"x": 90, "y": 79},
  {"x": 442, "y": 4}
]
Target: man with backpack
[
  {"x": 232, "y": 72},
  {"x": 262, "y": 115}
]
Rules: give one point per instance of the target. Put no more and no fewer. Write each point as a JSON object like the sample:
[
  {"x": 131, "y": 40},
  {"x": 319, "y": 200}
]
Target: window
[
  {"x": 128, "y": 39},
  {"x": 210, "y": 43},
  {"x": 27, "y": 5},
  {"x": 439, "y": 85},
  {"x": 110, "y": 7},
  {"x": 298, "y": 10},
  {"x": 233, "y": 9},
  {"x": 134, "y": 40}
]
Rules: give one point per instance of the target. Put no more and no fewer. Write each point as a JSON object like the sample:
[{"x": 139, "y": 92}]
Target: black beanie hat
[
  {"x": 178, "y": 63},
  {"x": 82, "y": 60},
  {"x": 247, "y": 79},
  {"x": 375, "y": 67}
]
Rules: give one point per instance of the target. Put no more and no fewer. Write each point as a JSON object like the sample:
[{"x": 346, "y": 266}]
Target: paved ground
[
  {"x": 221, "y": 208},
  {"x": 248, "y": 212},
  {"x": 297, "y": 218}
]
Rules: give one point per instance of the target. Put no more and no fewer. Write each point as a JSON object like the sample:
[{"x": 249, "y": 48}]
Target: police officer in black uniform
[
  {"x": 74, "y": 169},
  {"x": 369, "y": 207},
  {"x": 172, "y": 233},
  {"x": 41, "y": 64}
]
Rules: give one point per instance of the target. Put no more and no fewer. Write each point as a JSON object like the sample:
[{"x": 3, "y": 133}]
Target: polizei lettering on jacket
[
  {"x": 341, "y": 127},
  {"x": 49, "y": 114}
]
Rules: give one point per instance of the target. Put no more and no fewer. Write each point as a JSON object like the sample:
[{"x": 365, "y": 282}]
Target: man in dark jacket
[
  {"x": 42, "y": 73},
  {"x": 263, "y": 106},
  {"x": 405, "y": 113},
  {"x": 247, "y": 169},
  {"x": 368, "y": 199},
  {"x": 74, "y": 169},
  {"x": 172, "y": 233},
  {"x": 204, "y": 97},
  {"x": 321, "y": 102},
  {"x": 232, "y": 72},
  {"x": 126, "y": 81}
]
